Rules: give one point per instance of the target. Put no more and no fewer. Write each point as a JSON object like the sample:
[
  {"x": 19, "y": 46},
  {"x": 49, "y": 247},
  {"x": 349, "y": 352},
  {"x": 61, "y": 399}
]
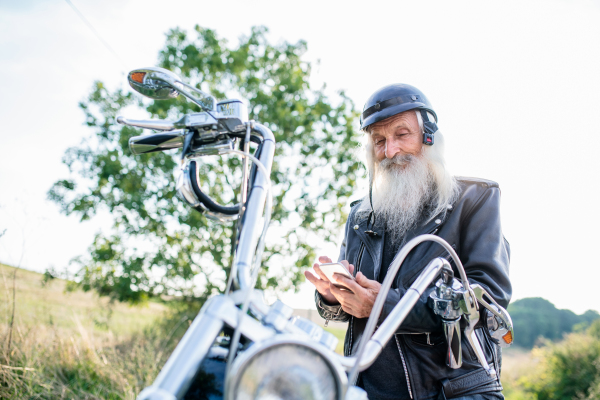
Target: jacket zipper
[
  {"x": 356, "y": 269},
  {"x": 404, "y": 365},
  {"x": 359, "y": 258}
]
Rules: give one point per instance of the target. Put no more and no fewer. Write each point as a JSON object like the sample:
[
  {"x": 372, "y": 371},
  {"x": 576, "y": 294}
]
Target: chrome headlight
[{"x": 286, "y": 368}]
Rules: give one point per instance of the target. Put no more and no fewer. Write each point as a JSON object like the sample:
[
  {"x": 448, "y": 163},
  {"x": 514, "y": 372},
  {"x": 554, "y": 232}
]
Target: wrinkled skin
[{"x": 397, "y": 135}]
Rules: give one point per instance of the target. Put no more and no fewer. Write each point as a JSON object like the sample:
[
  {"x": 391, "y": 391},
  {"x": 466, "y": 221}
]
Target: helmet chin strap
[
  {"x": 429, "y": 129},
  {"x": 370, "y": 232}
]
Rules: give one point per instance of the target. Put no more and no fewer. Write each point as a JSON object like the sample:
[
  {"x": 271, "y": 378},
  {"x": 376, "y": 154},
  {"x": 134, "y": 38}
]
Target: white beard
[{"x": 402, "y": 188}]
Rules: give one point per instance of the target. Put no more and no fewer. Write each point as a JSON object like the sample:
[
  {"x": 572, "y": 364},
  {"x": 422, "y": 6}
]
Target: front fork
[
  {"x": 177, "y": 375},
  {"x": 451, "y": 301}
]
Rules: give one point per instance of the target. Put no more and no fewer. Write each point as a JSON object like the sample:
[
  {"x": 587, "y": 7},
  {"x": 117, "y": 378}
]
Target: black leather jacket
[{"x": 472, "y": 227}]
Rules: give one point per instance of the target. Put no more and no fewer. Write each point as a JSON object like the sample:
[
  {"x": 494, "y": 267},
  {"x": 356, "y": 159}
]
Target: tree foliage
[
  {"x": 535, "y": 318},
  {"x": 160, "y": 246}
]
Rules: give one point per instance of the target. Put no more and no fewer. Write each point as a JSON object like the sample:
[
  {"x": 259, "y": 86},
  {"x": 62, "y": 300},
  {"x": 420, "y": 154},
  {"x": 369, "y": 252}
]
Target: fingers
[
  {"x": 366, "y": 282},
  {"x": 324, "y": 259},
  {"x": 320, "y": 273},
  {"x": 340, "y": 294},
  {"x": 349, "y": 283},
  {"x": 362, "y": 279},
  {"x": 348, "y": 266},
  {"x": 321, "y": 285},
  {"x": 311, "y": 278},
  {"x": 347, "y": 300}
]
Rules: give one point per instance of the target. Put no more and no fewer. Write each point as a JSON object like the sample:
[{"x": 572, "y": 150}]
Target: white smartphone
[{"x": 335, "y": 268}]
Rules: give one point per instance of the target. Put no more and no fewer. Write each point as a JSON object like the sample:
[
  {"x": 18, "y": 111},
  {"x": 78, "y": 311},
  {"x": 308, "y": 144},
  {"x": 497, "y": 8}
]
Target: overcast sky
[{"x": 516, "y": 86}]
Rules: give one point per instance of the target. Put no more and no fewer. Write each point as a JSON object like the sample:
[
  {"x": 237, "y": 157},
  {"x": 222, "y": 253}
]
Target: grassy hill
[{"x": 74, "y": 345}]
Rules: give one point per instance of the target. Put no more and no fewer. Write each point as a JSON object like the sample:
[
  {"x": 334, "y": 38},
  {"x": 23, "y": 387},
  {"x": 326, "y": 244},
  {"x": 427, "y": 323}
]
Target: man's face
[{"x": 396, "y": 135}]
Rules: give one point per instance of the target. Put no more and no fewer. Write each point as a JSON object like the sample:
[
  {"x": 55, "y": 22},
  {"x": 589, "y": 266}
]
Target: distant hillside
[{"x": 534, "y": 318}]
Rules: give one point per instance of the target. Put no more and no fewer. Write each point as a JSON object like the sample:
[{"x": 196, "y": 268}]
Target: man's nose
[{"x": 391, "y": 148}]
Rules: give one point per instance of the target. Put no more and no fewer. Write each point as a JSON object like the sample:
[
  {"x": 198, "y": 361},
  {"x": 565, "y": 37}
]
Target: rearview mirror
[
  {"x": 161, "y": 84},
  {"x": 156, "y": 83}
]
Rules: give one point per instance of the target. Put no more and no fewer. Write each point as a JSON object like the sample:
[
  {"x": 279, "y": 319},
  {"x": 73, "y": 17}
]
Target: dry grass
[
  {"x": 517, "y": 363},
  {"x": 75, "y": 345}
]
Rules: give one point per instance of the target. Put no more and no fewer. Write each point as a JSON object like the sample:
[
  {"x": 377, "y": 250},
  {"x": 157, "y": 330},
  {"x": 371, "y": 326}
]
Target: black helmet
[{"x": 394, "y": 99}]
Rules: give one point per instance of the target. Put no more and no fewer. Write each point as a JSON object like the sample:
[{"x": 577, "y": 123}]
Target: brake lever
[
  {"x": 500, "y": 325},
  {"x": 451, "y": 300},
  {"x": 471, "y": 314}
]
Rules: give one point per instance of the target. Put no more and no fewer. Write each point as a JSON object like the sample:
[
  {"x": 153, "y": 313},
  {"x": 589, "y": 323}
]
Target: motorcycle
[{"x": 239, "y": 347}]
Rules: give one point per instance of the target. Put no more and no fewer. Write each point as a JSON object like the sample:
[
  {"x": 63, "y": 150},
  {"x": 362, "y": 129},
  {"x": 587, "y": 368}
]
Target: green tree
[
  {"x": 160, "y": 246},
  {"x": 535, "y": 318}
]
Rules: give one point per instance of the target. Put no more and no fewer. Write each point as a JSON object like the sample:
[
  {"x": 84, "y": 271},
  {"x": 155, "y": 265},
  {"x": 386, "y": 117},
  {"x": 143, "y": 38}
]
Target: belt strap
[{"x": 465, "y": 383}]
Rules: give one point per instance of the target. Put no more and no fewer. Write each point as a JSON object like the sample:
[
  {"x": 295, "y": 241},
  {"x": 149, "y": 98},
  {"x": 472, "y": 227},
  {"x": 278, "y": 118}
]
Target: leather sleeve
[
  {"x": 330, "y": 312},
  {"x": 333, "y": 312},
  {"x": 484, "y": 253}
]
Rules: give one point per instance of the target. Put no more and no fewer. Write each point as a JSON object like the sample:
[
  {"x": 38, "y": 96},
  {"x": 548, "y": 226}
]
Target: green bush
[{"x": 569, "y": 369}]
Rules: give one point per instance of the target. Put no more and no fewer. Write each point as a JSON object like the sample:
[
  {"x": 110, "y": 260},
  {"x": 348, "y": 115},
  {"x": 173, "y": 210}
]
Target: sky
[{"x": 515, "y": 84}]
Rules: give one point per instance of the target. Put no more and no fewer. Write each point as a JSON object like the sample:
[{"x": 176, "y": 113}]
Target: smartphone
[{"x": 335, "y": 268}]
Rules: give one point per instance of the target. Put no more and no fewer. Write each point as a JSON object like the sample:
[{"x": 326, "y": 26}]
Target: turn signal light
[
  {"x": 508, "y": 337},
  {"x": 138, "y": 77}
]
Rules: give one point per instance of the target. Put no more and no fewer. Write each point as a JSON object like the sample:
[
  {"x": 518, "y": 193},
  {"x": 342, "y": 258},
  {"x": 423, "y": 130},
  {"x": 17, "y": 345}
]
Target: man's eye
[{"x": 379, "y": 142}]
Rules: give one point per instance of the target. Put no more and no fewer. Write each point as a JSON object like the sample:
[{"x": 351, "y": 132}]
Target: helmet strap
[
  {"x": 429, "y": 128},
  {"x": 370, "y": 232}
]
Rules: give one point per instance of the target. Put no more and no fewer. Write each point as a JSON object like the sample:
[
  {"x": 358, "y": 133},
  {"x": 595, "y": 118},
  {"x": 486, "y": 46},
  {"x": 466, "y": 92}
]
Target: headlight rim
[{"x": 247, "y": 356}]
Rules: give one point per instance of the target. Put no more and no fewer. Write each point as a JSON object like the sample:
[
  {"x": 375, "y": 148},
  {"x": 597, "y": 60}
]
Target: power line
[{"x": 95, "y": 32}]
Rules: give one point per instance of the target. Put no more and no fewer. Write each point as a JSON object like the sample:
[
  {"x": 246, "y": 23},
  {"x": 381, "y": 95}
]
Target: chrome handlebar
[
  {"x": 157, "y": 142},
  {"x": 157, "y": 124}
]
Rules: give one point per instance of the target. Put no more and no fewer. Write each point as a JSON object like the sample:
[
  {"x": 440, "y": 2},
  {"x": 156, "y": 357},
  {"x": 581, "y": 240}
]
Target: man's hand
[
  {"x": 360, "y": 301},
  {"x": 321, "y": 282}
]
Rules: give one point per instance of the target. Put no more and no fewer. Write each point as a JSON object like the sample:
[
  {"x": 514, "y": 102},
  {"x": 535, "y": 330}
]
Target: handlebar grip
[
  {"x": 209, "y": 203},
  {"x": 156, "y": 142}
]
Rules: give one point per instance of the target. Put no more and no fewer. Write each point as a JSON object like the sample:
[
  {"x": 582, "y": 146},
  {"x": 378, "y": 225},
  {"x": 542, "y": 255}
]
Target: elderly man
[{"x": 412, "y": 193}]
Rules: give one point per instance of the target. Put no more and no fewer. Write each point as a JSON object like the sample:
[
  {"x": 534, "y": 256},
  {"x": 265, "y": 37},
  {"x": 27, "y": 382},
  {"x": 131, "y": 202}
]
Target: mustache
[{"x": 398, "y": 159}]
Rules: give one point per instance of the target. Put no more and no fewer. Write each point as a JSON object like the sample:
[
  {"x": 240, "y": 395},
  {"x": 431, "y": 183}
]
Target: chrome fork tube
[
  {"x": 175, "y": 378},
  {"x": 254, "y": 212}
]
